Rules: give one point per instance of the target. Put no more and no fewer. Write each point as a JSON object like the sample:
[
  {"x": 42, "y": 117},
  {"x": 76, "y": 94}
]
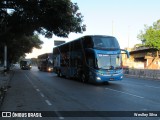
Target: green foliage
[
  {"x": 58, "y": 17},
  {"x": 22, "y": 45},
  {"x": 151, "y": 35},
  {"x": 19, "y": 19},
  {"x": 137, "y": 46},
  {"x": 152, "y": 38}
]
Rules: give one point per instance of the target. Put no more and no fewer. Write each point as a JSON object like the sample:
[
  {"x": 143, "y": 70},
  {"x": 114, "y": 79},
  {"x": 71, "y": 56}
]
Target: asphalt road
[{"x": 33, "y": 90}]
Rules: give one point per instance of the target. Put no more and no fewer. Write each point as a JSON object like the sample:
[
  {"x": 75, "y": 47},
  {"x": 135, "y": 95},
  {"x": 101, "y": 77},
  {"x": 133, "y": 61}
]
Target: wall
[{"x": 143, "y": 73}]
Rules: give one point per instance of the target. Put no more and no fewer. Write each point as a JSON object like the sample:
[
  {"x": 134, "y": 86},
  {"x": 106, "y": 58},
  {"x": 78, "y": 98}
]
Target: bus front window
[
  {"x": 105, "y": 43},
  {"x": 105, "y": 61}
]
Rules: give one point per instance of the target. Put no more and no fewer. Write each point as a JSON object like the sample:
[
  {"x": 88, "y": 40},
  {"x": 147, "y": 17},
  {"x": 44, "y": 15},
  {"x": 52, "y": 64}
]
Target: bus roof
[
  {"x": 81, "y": 38},
  {"x": 25, "y": 60},
  {"x": 44, "y": 55}
]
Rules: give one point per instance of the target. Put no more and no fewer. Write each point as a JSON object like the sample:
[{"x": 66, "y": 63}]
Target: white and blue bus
[{"x": 92, "y": 58}]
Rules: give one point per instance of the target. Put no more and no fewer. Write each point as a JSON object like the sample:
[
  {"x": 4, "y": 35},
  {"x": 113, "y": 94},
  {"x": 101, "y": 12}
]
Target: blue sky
[{"x": 123, "y": 19}]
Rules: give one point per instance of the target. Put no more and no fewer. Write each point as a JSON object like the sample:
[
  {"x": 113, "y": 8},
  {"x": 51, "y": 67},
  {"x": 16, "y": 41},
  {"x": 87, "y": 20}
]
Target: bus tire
[{"x": 59, "y": 74}]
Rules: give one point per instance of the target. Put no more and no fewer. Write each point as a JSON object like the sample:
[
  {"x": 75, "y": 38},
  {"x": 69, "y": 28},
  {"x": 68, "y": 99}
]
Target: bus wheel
[
  {"x": 59, "y": 73},
  {"x": 106, "y": 83}
]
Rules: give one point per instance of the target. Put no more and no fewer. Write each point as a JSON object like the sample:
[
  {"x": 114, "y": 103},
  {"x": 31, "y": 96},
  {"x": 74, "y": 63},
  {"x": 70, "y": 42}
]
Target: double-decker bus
[
  {"x": 45, "y": 62},
  {"x": 92, "y": 58}
]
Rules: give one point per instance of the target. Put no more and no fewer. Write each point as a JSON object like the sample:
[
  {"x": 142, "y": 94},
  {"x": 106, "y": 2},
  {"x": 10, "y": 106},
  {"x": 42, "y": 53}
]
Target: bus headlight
[
  {"x": 98, "y": 78},
  {"x": 50, "y": 69}
]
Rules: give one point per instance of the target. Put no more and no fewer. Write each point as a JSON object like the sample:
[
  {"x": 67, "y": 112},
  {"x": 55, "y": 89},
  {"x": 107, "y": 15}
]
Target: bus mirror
[{"x": 126, "y": 52}]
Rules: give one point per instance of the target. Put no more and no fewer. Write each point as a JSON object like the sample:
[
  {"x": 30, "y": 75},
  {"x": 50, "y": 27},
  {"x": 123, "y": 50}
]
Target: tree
[
  {"x": 20, "y": 46},
  {"x": 19, "y": 19},
  {"x": 150, "y": 37},
  {"x": 48, "y": 17}
]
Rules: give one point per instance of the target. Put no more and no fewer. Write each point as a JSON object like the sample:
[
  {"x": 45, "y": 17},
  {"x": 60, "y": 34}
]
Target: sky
[{"x": 123, "y": 19}]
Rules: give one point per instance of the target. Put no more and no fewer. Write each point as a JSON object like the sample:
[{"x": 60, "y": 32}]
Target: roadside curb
[{"x": 4, "y": 83}]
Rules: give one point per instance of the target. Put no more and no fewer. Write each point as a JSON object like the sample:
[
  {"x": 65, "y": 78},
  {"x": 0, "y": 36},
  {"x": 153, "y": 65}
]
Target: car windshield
[
  {"x": 106, "y": 42},
  {"x": 105, "y": 61}
]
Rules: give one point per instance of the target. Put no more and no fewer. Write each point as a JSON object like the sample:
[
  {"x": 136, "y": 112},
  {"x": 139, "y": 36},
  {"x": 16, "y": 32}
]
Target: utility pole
[
  {"x": 3, "y": 23},
  {"x": 128, "y": 35},
  {"x": 112, "y": 27},
  {"x": 5, "y": 59}
]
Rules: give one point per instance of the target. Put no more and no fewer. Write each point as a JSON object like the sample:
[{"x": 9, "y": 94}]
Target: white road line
[
  {"x": 48, "y": 102},
  {"x": 144, "y": 109},
  {"x": 35, "y": 86},
  {"x": 32, "y": 83},
  {"x": 125, "y": 93},
  {"x": 37, "y": 90},
  {"x": 142, "y": 85},
  {"x": 42, "y": 94},
  {"x": 29, "y": 80},
  {"x": 59, "y": 116},
  {"x": 152, "y": 86}
]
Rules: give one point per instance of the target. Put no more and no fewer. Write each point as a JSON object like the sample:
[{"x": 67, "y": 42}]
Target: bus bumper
[{"x": 101, "y": 79}]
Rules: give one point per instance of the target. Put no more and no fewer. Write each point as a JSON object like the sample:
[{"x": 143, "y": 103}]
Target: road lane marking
[
  {"x": 59, "y": 116},
  {"x": 37, "y": 90},
  {"x": 42, "y": 94},
  {"x": 29, "y": 80},
  {"x": 34, "y": 86},
  {"x": 48, "y": 102},
  {"x": 144, "y": 109},
  {"x": 125, "y": 93},
  {"x": 141, "y": 85},
  {"x": 152, "y": 86}
]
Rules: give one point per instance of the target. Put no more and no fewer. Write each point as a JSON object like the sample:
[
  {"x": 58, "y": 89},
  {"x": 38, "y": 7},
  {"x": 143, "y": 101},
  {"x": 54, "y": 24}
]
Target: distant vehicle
[
  {"x": 93, "y": 58},
  {"x": 25, "y": 64},
  {"x": 45, "y": 62}
]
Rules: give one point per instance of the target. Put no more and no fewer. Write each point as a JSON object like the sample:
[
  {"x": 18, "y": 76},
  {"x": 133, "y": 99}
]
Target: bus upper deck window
[
  {"x": 98, "y": 43},
  {"x": 87, "y": 42}
]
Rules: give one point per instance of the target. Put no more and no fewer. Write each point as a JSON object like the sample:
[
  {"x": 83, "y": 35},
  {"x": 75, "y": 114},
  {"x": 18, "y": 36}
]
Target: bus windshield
[
  {"x": 105, "y": 42},
  {"x": 24, "y": 63},
  {"x": 105, "y": 61}
]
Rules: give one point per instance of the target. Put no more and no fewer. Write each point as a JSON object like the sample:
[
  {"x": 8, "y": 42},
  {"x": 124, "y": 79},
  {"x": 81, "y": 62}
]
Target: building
[{"x": 143, "y": 58}]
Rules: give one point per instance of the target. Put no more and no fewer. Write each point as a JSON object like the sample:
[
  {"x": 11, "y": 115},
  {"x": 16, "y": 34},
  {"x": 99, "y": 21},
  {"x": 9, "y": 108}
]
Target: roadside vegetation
[{"x": 21, "y": 21}]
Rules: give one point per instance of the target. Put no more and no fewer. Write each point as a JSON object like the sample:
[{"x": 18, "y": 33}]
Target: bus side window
[
  {"x": 90, "y": 59},
  {"x": 78, "y": 61},
  {"x": 98, "y": 43},
  {"x": 87, "y": 42}
]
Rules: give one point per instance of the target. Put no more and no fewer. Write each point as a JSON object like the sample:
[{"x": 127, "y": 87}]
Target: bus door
[
  {"x": 89, "y": 67},
  {"x": 64, "y": 64}
]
